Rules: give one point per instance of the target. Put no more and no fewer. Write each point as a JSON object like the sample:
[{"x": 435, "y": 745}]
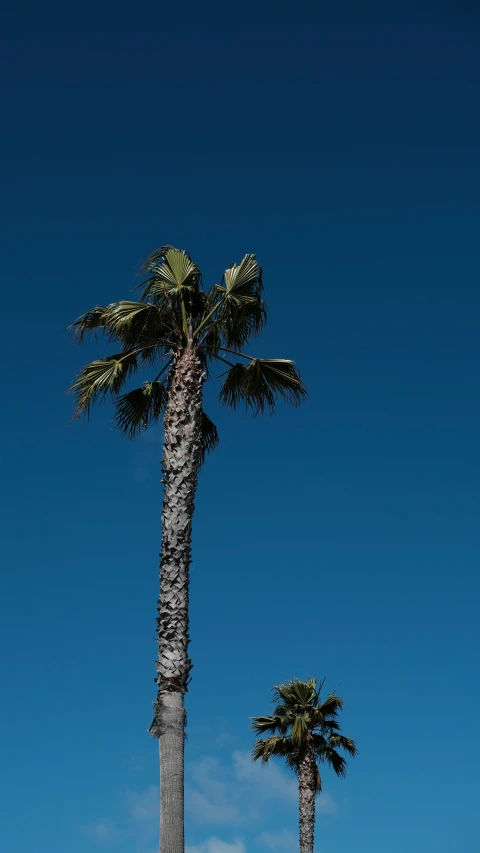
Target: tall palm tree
[
  {"x": 305, "y": 732},
  {"x": 179, "y": 331}
]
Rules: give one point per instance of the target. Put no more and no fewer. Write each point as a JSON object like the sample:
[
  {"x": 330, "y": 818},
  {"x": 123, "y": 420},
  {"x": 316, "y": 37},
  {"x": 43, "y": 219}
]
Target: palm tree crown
[
  {"x": 175, "y": 313},
  {"x": 300, "y": 723}
]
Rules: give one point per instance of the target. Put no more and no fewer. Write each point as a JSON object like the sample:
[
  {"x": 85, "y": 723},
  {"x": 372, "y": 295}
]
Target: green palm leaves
[
  {"x": 131, "y": 323},
  {"x": 242, "y": 311},
  {"x": 101, "y": 377},
  {"x": 136, "y": 409},
  {"x": 257, "y": 383},
  {"x": 302, "y": 722},
  {"x": 174, "y": 313},
  {"x": 171, "y": 270}
]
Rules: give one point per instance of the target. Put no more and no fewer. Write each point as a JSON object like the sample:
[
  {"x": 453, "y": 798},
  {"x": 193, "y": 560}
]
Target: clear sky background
[{"x": 340, "y": 143}]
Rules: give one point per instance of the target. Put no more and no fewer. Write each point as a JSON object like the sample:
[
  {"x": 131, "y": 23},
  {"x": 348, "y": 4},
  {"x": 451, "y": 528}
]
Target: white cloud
[
  {"x": 141, "y": 822},
  {"x": 216, "y": 845},
  {"x": 103, "y": 831},
  {"x": 242, "y": 792},
  {"x": 145, "y": 805},
  {"x": 280, "y": 842},
  {"x": 144, "y": 815},
  {"x": 211, "y": 799},
  {"x": 238, "y": 793},
  {"x": 269, "y": 781},
  {"x": 211, "y": 810},
  {"x": 325, "y": 804}
]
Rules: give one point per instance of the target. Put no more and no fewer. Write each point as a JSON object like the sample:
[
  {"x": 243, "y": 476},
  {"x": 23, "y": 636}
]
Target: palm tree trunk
[
  {"x": 181, "y": 455},
  {"x": 306, "y": 791},
  {"x": 172, "y": 740}
]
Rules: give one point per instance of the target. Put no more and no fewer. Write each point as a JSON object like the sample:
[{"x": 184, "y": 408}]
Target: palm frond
[
  {"x": 212, "y": 341},
  {"x": 143, "y": 325},
  {"x": 245, "y": 312},
  {"x": 244, "y": 282},
  {"x": 342, "y": 742},
  {"x": 140, "y": 407},
  {"x": 196, "y": 305},
  {"x": 320, "y": 744},
  {"x": 239, "y": 323},
  {"x": 284, "y": 693},
  {"x": 330, "y": 707},
  {"x": 300, "y": 730},
  {"x": 293, "y": 759},
  {"x": 265, "y": 748},
  {"x": 156, "y": 256},
  {"x": 334, "y": 759},
  {"x": 303, "y": 691},
  {"x": 239, "y": 310},
  {"x": 100, "y": 377},
  {"x": 95, "y": 318},
  {"x": 264, "y": 725},
  {"x": 324, "y": 725},
  {"x": 210, "y": 437},
  {"x": 134, "y": 324},
  {"x": 171, "y": 270},
  {"x": 259, "y": 382}
]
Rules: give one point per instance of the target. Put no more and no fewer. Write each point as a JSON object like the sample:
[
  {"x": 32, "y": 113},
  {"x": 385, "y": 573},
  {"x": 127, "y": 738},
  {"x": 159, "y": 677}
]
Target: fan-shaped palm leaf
[
  {"x": 101, "y": 377},
  {"x": 257, "y": 384},
  {"x": 143, "y": 325},
  {"x": 136, "y": 409},
  {"x": 266, "y": 748},
  {"x": 239, "y": 309},
  {"x": 303, "y": 692},
  {"x": 334, "y": 759},
  {"x": 262, "y": 725},
  {"x": 96, "y": 318},
  {"x": 132, "y": 323},
  {"x": 342, "y": 742},
  {"x": 330, "y": 725},
  {"x": 300, "y": 729},
  {"x": 209, "y": 437},
  {"x": 243, "y": 283},
  {"x": 331, "y": 707},
  {"x": 239, "y": 323},
  {"x": 171, "y": 271}
]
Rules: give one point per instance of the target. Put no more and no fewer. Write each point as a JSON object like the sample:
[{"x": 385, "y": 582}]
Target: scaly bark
[
  {"x": 306, "y": 790},
  {"x": 182, "y": 442}
]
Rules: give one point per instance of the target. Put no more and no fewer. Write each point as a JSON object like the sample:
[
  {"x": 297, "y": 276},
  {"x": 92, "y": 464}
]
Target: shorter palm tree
[{"x": 305, "y": 732}]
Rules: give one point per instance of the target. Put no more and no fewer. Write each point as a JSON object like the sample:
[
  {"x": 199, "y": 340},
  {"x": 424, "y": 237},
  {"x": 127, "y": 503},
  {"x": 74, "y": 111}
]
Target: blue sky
[{"x": 341, "y": 539}]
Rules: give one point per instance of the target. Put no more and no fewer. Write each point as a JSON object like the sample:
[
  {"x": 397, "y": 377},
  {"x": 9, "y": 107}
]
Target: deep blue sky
[{"x": 340, "y": 143}]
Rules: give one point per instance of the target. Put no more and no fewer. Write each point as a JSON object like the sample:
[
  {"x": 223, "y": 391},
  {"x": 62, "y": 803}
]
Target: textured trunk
[
  {"x": 182, "y": 440},
  {"x": 172, "y": 741},
  {"x": 306, "y": 790}
]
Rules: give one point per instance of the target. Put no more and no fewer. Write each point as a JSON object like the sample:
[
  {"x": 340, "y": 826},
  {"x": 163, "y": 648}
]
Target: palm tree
[
  {"x": 305, "y": 732},
  {"x": 179, "y": 331}
]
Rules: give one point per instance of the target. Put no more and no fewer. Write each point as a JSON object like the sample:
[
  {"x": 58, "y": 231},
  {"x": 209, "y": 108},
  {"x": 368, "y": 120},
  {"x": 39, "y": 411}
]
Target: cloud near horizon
[
  {"x": 104, "y": 831},
  {"x": 216, "y": 845},
  {"x": 282, "y": 841},
  {"x": 242, "y": 792},
  {"x": 237, "y": 793}
]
